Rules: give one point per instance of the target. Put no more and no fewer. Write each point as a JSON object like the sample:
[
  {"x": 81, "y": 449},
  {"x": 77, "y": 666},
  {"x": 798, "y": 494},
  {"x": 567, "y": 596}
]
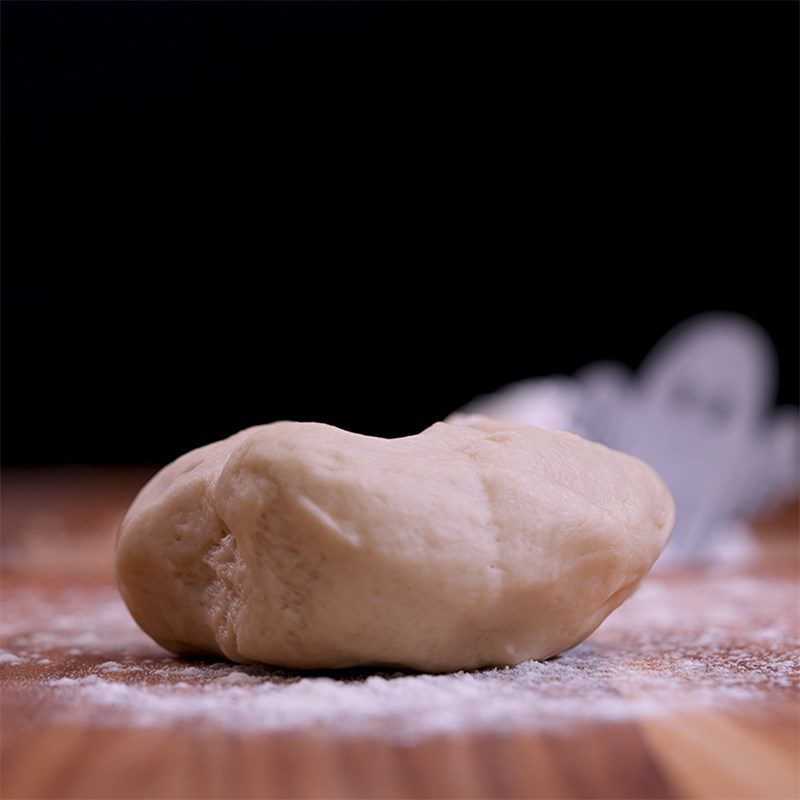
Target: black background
[{"x": 220, "y": 214}]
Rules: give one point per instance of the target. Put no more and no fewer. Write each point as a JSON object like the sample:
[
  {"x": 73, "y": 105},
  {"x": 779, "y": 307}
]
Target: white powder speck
[
  {"x": 234, "y": 678},
  {"x": 6, "y": 657}
]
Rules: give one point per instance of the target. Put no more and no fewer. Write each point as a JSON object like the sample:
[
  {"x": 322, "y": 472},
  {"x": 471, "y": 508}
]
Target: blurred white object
[
  {"x": 551, "y": 403},
  {"x": 700, "y": 410}
]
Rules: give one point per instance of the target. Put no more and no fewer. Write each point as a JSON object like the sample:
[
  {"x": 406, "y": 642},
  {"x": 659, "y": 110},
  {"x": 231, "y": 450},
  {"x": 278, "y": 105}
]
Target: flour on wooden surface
[
  {"x": 7, "y": 657},
  {"x": 678, "y": 644}
]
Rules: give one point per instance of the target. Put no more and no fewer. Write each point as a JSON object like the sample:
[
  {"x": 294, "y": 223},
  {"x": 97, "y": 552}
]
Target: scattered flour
[
  {"x": 679, "y": 643},
  {"x": 7, "y": 657}
]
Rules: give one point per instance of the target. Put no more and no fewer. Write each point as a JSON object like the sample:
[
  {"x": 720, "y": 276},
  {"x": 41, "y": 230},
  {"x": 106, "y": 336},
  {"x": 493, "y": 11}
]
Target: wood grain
[{"x": 57, "y": 531}]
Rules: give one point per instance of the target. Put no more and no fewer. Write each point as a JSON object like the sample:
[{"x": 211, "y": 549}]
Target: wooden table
[{"x": 67, "y": 640}]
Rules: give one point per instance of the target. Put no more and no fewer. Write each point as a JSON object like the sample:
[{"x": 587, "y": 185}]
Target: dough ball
[{"x": 304, "y": 546}]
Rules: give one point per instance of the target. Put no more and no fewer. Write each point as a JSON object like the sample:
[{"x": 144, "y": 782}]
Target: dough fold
[{"x": 470, "y": 544}]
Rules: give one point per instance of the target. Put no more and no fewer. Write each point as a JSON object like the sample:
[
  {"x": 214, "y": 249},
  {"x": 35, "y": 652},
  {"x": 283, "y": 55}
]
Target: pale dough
[{"x": 470, "y": 544}]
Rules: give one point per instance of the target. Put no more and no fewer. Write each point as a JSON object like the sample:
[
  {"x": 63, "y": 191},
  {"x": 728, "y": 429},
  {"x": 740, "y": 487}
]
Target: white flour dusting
[
  {"x": 9, "y": 658},
  {"x": 677, "y": 644}
]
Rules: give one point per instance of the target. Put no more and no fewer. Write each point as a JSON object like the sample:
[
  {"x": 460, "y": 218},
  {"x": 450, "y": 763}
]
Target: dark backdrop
[{"x": 219, "y": 214}]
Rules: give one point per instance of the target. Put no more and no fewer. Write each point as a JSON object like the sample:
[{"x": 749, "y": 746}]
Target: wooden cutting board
[{"x": 701, "y": 706}]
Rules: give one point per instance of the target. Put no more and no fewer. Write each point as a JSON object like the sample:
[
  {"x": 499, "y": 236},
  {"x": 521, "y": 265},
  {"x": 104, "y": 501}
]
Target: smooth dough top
[{"x": 470, "y": 544}]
